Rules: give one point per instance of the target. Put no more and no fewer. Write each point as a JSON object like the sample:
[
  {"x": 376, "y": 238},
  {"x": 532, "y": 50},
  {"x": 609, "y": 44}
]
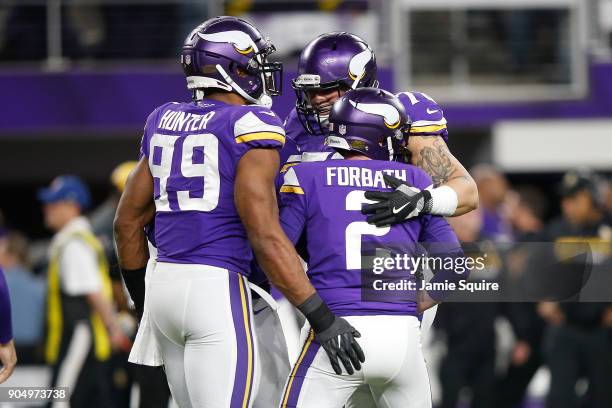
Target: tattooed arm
[{"x": 432, "y": 155}]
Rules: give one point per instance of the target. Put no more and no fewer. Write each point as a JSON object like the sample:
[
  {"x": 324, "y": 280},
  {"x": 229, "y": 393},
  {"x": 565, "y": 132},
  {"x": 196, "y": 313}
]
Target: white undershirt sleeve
[{"x": 79, "y": 274}]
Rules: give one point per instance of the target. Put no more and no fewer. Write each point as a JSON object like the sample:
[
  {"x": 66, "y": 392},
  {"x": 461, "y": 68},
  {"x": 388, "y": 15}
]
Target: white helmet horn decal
[
  {"x": 242, "y": 41},
  {"x": 390, "y": 114},
  {"x": 357, "y": 65}
]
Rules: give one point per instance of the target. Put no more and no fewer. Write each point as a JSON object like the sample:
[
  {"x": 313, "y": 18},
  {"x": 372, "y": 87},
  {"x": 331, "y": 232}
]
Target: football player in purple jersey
[
  {"x": 330, "y": 65},
  {"x": 368, "y": 127},
  {"x": 333, "y": 63},
  {"x": 8, "y": 356},
  {"x": 206, "y": 178}
]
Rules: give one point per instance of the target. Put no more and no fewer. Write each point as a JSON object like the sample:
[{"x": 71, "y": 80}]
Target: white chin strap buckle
[{"x": 265, "y": 100}]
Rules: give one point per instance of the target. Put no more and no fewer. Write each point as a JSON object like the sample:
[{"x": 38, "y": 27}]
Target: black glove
[
  {"x": 135, "y": 283},
  {"x": 396, "y": 206},
  {"x": 334, "y": 334}
]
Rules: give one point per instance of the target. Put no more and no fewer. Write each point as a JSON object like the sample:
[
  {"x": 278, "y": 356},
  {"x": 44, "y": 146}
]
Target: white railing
[
  {"x": 459, "y": 84},
  {"x": 390, "y": 27}
]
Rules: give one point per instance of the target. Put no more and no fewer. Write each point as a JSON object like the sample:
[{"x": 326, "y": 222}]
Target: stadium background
[{"x": 525, "y": 85}]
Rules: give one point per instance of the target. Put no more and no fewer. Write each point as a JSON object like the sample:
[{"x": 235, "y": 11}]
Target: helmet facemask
[
  {"x": 271, "y": 73},
  {"x": 315, "y": 118}
]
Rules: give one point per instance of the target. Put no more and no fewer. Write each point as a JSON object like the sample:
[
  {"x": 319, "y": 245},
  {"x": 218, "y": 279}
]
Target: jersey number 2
[{"x": 356, "y": 229}]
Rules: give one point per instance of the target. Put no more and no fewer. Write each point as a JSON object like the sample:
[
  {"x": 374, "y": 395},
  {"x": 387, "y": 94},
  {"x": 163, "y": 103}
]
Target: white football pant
[
  {"x": 202, "y": 320},
  {"x": 394, "y": 371}
]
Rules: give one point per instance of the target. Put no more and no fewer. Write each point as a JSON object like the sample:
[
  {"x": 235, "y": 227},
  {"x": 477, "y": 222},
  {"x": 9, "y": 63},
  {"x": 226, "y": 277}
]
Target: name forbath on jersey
[{"x": 360, "y": 177}]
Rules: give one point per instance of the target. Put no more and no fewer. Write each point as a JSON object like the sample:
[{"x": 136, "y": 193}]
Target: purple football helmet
[
  {"x": 370, "y": 121},
  {"x": 332, "y": 61},
  {"x": 230, "y": 54}
]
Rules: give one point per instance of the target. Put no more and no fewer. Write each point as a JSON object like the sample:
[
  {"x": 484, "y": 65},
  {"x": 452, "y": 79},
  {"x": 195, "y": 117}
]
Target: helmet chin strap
[
  {"x": 264, "y": 99},
  {"x": 390, "y": 148}
]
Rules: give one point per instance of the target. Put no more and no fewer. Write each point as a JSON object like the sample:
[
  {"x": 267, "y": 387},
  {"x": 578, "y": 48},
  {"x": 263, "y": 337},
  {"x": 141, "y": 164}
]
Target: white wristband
[{"x": 444, "y": 200}]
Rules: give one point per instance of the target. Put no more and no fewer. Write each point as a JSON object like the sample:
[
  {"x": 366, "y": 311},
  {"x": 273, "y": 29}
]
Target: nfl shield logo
[
  {"x": 187, "y": 59},
  {"x": 342, "y": 129}
]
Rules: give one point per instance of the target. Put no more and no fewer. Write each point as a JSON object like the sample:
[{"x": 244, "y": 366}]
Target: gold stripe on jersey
[
  {"x": 287, "y": 166},
  {"x": 427, "y": 129},
  {"x": 292, "y": 189},
  {"x": 248, "y": 137}
]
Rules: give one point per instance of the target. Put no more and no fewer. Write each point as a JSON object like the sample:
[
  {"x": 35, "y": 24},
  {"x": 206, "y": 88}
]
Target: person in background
[
  {"x": 468, "y": 328},
  {"x": 526, "y": 208},
  {"x": 492, "y": 192},
  {"x": 8, "y": 355},
  {"x": 605, "y": 191},
  {"x": 28, "y": 296},
  {"x": 151, "y": 381},
  {"x": 578, "y": 338},
  {"x": 101, "y": 220},
  {"x": 88, "y": 23},
  {"x": 81, "y": 323}
]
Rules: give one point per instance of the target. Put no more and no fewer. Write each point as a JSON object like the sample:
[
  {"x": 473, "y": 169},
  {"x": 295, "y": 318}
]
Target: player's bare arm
[
  {"x": 136, "y": 209},
  {"x": 257, "y": 206},
  {"x": 453, "y": 191},
  {"x": 258, "y": 209},
  {"x": 8, "y": 360},
  {"x": 432, "y": 155}
]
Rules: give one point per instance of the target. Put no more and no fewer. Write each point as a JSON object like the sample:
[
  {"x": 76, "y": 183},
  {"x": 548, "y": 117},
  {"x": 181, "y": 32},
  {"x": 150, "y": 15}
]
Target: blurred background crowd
[{"x": 526, "y": 87}]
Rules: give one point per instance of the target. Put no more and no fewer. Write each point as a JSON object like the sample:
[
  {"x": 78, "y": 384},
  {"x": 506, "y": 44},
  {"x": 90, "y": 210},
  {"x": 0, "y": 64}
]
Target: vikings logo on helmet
[
  {"x": 357, "y": 124},
  {"x": 390, "y": 115},
  {"x": 358, "y": 64},
  {"x": 334, "y": 61},
  {"x": 241, "y": 41}
]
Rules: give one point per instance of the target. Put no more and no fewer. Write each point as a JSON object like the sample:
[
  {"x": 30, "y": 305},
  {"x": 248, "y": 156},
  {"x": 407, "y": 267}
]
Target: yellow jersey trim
[
  {"x": 292, "y": 189},
  {"x": 248, "y": 137}
]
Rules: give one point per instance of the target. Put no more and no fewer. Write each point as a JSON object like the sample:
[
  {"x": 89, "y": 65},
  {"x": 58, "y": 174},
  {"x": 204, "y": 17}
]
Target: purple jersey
[
  {"x": 305, "y": 141},
  {"x": 322, "y": 202},
  {"x": 426, "y": 115},
  {"x": 193, "y": 150},
  {"x": 6, "y": 326}
]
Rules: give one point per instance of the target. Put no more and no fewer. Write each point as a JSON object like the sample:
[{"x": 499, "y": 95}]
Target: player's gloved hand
[
  {"x": 396, "y": 206},
  {"x": 135, "y": 283},
  {"x": 334, "y": 334},
  {"x": 339, "y": 343}
]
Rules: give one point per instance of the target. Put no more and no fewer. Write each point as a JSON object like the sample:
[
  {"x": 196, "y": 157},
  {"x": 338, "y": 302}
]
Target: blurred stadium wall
[{"x": 525, "y": 84}]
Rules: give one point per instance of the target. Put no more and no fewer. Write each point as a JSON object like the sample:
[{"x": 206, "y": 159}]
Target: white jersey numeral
[
  {"x": 208, "y": 170},
  {"x": 161, "y": 171},
  {"x": 355, "y": 230}
]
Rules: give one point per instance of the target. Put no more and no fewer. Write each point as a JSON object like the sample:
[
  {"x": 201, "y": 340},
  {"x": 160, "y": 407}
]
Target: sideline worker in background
[{"x": 81, "y": 322}]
